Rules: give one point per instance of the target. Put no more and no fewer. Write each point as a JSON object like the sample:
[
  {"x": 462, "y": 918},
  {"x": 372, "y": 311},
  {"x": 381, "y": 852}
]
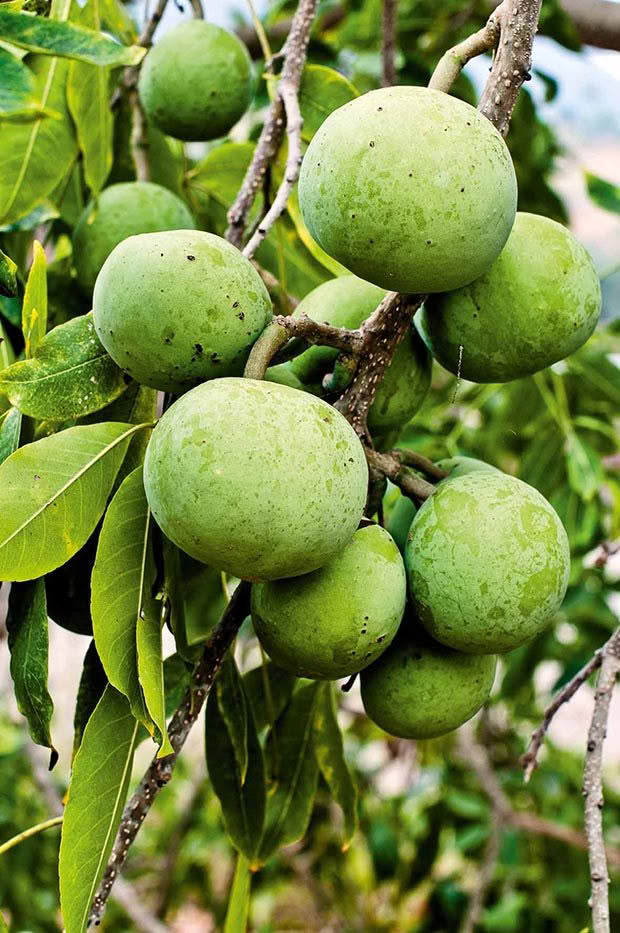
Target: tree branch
[
  {"x": 388, "y": 42},
  {"x": 454, "y": 60},
  {"x": 419, "y": 462},
  {"x": 391, "y": 466}
]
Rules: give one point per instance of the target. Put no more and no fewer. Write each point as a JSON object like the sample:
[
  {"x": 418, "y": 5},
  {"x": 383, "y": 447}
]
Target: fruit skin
[
  {"x": 346, "y": 302},
  {"x": 254, "y": 478},
  {"x": 333, "y": 622},
  {"x": 538, "y": 303},
  {"x": 487, "y": 562},
  {"x": 400, "y": 521},
  {"x": 196, "y": 82},
  {"x": 123, "y": 210},
  {"x": 419, "y": 689},
  {"x": 175, "y": 308},
  {"x": 460, "y": 466},
  {"x": 410, "y": 189}
]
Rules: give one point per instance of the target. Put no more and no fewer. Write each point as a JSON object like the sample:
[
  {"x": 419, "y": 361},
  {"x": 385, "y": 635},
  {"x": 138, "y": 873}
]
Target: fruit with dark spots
[
  {"x": 487, "y": 562},
  {"x": 538, "y": 303},
  {"x": 280, "y": 506},
  {"x": 332, "y": 623},
  {"x": 167, "y": 322}
]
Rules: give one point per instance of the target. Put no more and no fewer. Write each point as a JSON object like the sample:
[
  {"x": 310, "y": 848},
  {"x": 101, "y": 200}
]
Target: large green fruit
[
  {"x": 196, "y": 82},
  {"x": 538, "y": 303},
  {"x": 346, "y": 302},
  {"x": 409, "y": 188},
  {"x": 123, "y": 210},
  {"x": 333, "y": 622},
  {"x": 419, "y": 689},
  {"x": 487, "y": 561},
  {"x": 255, "y": 478},
  {"x": 173, "y": 309}
]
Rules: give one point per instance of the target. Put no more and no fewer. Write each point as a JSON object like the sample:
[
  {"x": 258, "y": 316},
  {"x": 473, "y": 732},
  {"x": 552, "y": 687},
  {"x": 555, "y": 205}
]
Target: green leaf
[
  {"x": 239, "y": 900},
  {"x": 329, "y": 751},
  {"x": 18, "y": 103},
  {"x": 233, "y": 708},
  {"x": 268, "y": 689},
  {"x": 286, "y": 257},
  {"x": 150, "y": 663},
  {"x": 10, "y": 429},
  {"x": 34, "y": 308},
  {"x": 51, "y": 37},
  {"x": 92, "y": 684},
  {"x": 584, "y": 468},
  {"x": 26, "y": 624},
  {"x": 69, "y": 200},
  {"x": 8, "y": 277},
  {"x": 322, "y": 91},
  {"x": 69, "y": 375},
  {"x": 294, "y": 212},
  {"x": 116, "y": 20},
  {"x": 290, "y": 806},
  {"x": 243, "y": 802},
  {"x": 604, "y": 193},
  {"x": 3, "y": 927},
  {"x": 52, "y": 494},
  {"x": 97, "y": 793}
]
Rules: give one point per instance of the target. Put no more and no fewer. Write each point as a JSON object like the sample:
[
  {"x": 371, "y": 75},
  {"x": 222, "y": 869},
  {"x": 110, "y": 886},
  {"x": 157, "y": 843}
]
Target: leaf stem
[
  {"x": 31, "y": 831},
  {"x": 239, "y": 902}
]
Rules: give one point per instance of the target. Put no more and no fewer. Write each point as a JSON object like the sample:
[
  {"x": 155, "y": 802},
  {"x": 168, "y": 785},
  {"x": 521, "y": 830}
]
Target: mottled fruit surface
[
  {"x": 123, "y": 210},
  {"x": 487, "y": 562},
  {"x": 255, "y": 478},
  {"x": 196, "y": 82},
  {"x": 409, "y": 188},
  {"x": 173, "y": 309},
  {"x": 346, "y": 302},
  {"x": 538, "y": 303},
  {"x": 333, "y": 622},
  {"x": 419, "y": 689}
]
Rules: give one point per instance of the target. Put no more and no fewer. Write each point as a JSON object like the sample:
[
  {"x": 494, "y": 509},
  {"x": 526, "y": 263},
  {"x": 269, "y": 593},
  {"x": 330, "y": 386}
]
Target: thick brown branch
[
  {"x": 388, "y": 42},
  {"x": 316, "y": 332},
  {"x": 419, "y": 462},
  {"x": 160, "y": 770},
  {"x": 391, "y": 467}
]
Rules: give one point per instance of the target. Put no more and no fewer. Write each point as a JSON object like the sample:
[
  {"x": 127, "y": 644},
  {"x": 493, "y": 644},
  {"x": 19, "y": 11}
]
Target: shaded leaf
[
  {"x": 18, "y": 103},
  {"x": 10, "y": 428},
  {"x": 52, "y": 494},
  {"x": 69, "y": 200},
  {"x": 150, "y": 665},
  {"x": 268, "y": 688},
  {"x": 116, "y": 20},
  {"x": 322, "y": 91},
  {"x": 69, "y": 375},
  {"x": 26, "y": 624},
  {"x": 8, "y": 277},
  {"x": 604, "y": 193},
  {"x": 308, "y": 240},
  {"x": 92, "y": 684},
  {"x": 233, "y": 708},
  {"x": 329, "y": 751},
  {"x": 97, "y": 793},
  {"x": 176, "y": 681},
  {"x": 583, "y": 466},
  {"x": 34, "y": 307}
]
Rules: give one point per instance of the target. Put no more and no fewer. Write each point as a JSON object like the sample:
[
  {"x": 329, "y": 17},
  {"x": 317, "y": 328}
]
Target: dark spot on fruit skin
[
  {"x": 241, "y": 316},
  {"x": 191, "y": 258},
  {"x": 235, "y": 304},
  {"x": 371, "y": 144},
  {"x": 198, "y": 347},
  {"x": 215, "y": 358}
]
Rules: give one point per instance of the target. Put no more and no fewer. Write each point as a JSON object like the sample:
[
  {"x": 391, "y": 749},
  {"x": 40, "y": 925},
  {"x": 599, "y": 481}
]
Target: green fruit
[
  {"x": 400, "y": 521},
  {"x": 420, "y": 690},
  {"x": 256, "y": 478},
  {"x": 487, "y": 562},
  {"x": 123, "y": 210},
  {"x": 409, "y": 188},
  {"x": 173, "y": 309},
  {"x": 460, "y": 466},
  {"x": 283, "y": 374},
  {"x": 347, "y": 302},
  {"x": 538, "y": 303},
  {"x": 196, "y": 82},
  {"x": 333, "y": 622}
]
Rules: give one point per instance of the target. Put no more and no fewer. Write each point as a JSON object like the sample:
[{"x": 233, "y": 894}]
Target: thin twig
[
  {"x": 419, "y": 462},
  {"x": 454, "y": 60},
  {"x": 260, "y": 32},
  {"x": 388, "y": 42},
  {"x": 322, "y": 333},
  {"x": 197, "y": 9},
  {"x": 270, "y": 341},
  {"x": 391, "y": 467},
  {"x": 31, "y": 831}
]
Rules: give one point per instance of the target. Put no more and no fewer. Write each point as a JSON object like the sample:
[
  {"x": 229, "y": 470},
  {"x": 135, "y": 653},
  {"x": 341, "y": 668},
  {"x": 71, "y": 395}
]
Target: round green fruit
[
  {"x": 196, "y": 82},
  {"x": 346, "y": 302},
  {"x": 420, "y": 690},
  {"x": 123, "y": 210},
  {"x": 255, "y": 478},
  {"x": 410, "y": 189},
  {"x": 173, "y": 309},
  {"x": 487, "y": 562},
  {"x": 331, "y": 623},
  {"x": 538, "y": 303}
]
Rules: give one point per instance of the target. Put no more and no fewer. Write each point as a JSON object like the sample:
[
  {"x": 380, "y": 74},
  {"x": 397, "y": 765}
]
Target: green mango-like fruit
[
  {"x": 196, "y": 82},
  {"x": 487, "y": 562},
  {"x": 331, "y": 623},
  {"x": 419, "y": 689},
  {"x": 409, "y": 188},
  {"x": 538, "y": 303},
  {"x": 346, "y": 302},
  {"x": 173, "y": 309},
  {"x": 255, "y": 478},
  {"x": 123, "y": 210},
  {"x": 460, "y": 466}
]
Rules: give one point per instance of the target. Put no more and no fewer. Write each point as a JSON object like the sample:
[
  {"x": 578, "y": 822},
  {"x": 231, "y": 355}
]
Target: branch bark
[{"x": 388, "y": 42}]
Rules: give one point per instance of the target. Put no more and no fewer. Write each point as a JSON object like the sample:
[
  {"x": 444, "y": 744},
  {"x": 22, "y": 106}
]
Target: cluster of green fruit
[{"x": 265, "y": 480}]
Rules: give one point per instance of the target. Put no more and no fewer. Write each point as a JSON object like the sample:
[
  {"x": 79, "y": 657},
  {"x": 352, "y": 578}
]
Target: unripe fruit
[
  {"x": 331, "y": 623},
  {"x": 256, "y": 478},
  {"x": 196, "y": 82},
  {"x": 409, "y": 188},
  {"x": 419, "y": 689},
  {"x": 123, "y": 210},
  {"x": 346, "y": 302},
  {"x": 487, "y": 562},
  {"x": 460, "y": 466},
  {"x": 173, "y": 309},
  {"x": 538, "y": 303}
]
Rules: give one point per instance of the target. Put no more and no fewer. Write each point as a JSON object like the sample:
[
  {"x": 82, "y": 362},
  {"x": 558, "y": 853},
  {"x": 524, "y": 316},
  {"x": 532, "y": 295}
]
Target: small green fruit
[
  {"x": 400, "y": 521},
  {"x": 331, "y": 623},
  {"x": 123, "y": 210},
  {"x": 409, "y": 188},
  {"x": 256, "y": 478},
  {"x": 173, "y": 309},
  {"x": 487, "y": 562},
  {"x": 538, "y": 303},
  {"x": 196, "y": 82},
  {"x": 420, "y": 690}
]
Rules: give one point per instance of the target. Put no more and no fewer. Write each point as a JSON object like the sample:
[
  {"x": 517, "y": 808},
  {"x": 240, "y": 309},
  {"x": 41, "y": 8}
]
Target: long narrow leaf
[{"x": 34, "y": 308}]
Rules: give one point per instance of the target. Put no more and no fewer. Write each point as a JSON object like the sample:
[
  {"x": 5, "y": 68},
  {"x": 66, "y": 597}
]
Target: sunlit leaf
[
  {"x": 34, "y": 307},
  {"x": 18, "y": 101},
  {"x": 268, "y": 688},
  {"x": 8, "y": 277},
  {"x": 92, "y": 684},
  {"x": 10, "y": 428},
  {"x": 604, "y": 193}
]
